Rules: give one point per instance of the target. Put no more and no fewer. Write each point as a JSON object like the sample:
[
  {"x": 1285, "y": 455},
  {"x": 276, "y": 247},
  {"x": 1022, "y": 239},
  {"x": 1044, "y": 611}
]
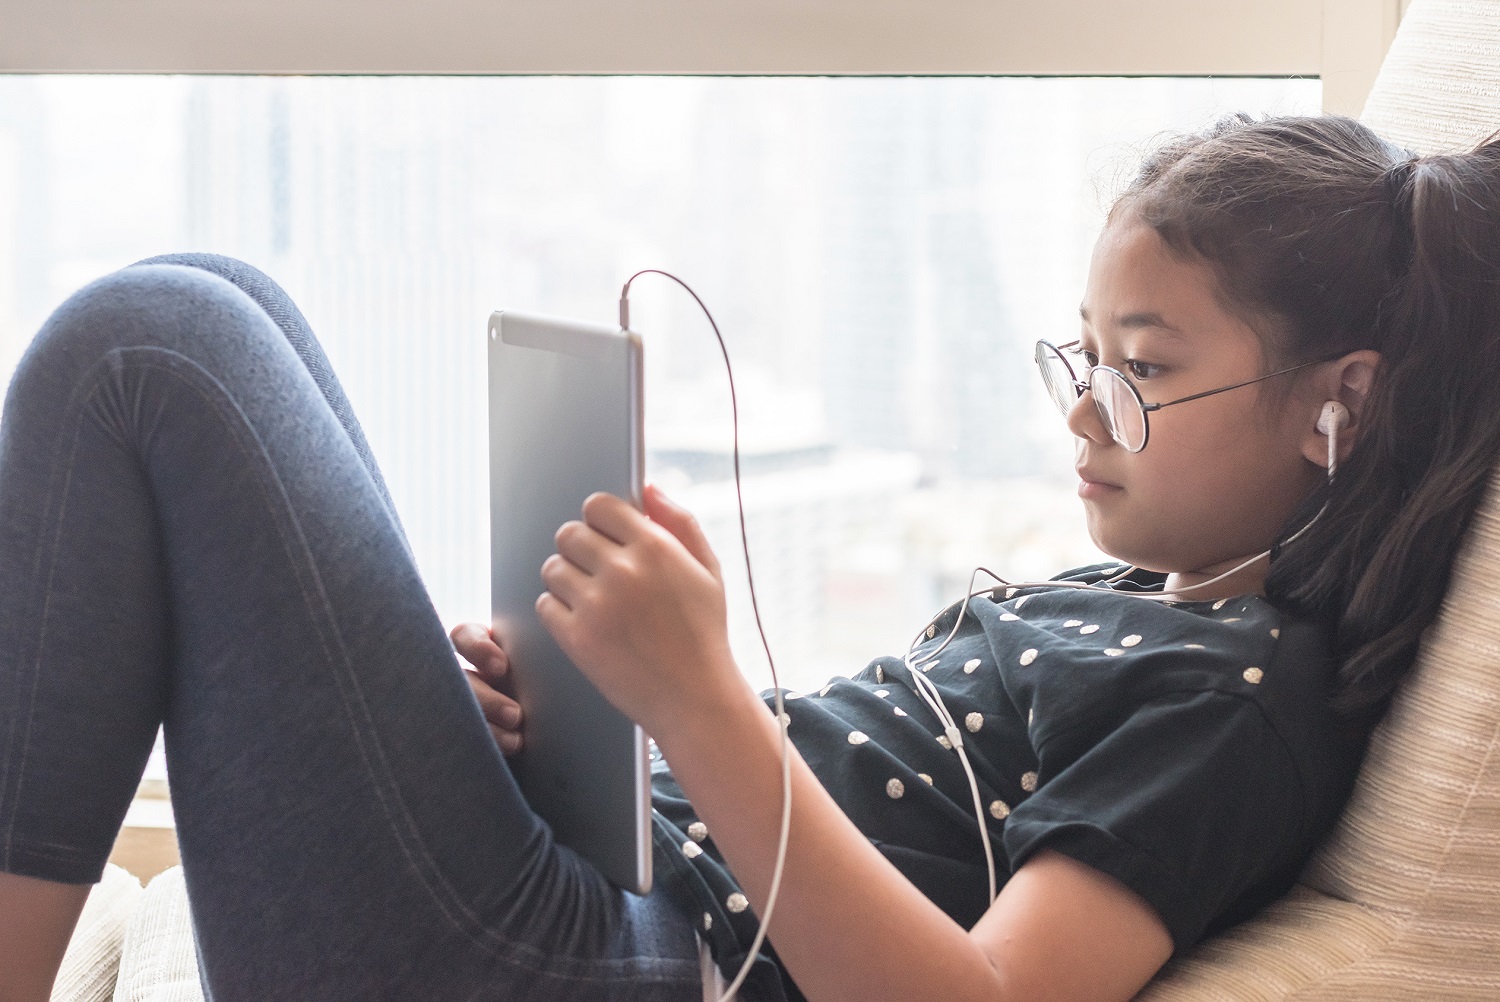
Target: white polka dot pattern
[
  {"x": 736, "y": 903},
  {"x": 697, "y": 831},
  {"x": 858, "y": 737},
  {"x": 999, "y": 810},
  {"x": 1220, "y": 603},
  {"x": 1253, "y": 675},
  {"x": 974, "y": 722},
  {"x": 970, "y": 665},
  {"x": 1028, "y": 781},
  {"x": 1008, "y": 617},
  {"x": 1091, "y": 628},
  {"x": 900, "y": 712},
  {"x": 942, "y": 739},
  {"x": 1070, "y": 624},
  {"x": 895, "y": 789},
  {"x": 1131, "y": 640},
  {"x": 708, "y": 921},
  {"x": 691, "y": 849},
  {"x": 1113, "y": 652},
  {"x": 882, "y": 693},
  {"x": 925, "y": 778},
  {"x": 1028, "y": 655}
]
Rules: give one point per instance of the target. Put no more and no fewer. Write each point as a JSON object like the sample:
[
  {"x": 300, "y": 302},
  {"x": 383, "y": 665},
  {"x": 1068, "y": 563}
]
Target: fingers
[
  {"x": 564, "y": 580},
  {"x": 501, "y": 713},
  {"x": 584, "y": 546},
  {"x": 613, "y": 517},
  {"x": 681, "y": 524},
  {"x": 476, "y": 645}
]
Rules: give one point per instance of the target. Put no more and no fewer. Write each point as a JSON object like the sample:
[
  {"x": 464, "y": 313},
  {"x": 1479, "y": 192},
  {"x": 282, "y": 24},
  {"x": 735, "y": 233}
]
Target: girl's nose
[{"x": 1085, "y": 421}]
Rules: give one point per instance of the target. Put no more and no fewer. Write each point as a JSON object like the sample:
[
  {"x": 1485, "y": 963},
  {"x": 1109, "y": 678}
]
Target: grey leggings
[{"x": 193, "y": 534}]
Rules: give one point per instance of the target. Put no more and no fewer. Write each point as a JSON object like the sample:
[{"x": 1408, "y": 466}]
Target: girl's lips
[{"x": 1091, "y": 489}]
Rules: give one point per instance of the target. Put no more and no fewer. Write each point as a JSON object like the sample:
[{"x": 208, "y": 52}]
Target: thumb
[{"x": 681, "y": 524}]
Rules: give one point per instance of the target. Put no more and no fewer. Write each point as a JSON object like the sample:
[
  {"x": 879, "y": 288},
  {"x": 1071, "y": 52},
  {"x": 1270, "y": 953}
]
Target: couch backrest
[{"x": 1439, "y": 87}]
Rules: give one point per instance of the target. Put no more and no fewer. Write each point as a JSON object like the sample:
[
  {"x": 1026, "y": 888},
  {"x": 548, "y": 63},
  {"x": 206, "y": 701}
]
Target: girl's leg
[{"x": 190, "y": 535}]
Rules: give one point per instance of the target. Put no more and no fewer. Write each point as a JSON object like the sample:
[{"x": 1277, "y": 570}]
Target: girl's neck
[{"x": 1249, "y": 581}]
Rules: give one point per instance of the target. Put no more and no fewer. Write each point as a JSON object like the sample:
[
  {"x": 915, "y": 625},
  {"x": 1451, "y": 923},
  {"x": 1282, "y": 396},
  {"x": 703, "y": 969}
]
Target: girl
[{"x": 192, "y": 532}]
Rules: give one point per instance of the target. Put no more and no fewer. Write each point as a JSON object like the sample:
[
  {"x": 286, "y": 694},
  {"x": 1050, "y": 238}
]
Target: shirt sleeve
[{"x": 1191, "y": 802}]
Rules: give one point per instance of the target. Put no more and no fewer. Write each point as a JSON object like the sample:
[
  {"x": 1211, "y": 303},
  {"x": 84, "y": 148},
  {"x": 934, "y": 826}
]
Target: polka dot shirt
[{"x": 1184, "y": 748}]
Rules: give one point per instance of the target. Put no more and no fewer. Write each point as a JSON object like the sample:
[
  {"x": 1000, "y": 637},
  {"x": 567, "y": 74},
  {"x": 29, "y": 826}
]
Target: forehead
[{"x": 1137, "y": 283}]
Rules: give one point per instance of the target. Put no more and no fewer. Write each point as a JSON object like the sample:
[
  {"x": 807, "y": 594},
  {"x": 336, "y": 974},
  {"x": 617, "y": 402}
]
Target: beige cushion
[
  {"x": 93, "y": 957},
  {"x": 1439, "y": 88},
  {"x": 160, "y": 962}
]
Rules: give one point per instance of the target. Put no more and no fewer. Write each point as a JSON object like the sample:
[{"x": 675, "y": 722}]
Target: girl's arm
[{"x": 638, "y": 604}]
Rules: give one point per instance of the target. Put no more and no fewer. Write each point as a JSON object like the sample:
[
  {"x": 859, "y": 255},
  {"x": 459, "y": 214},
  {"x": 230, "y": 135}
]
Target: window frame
[{"x": 1342, "y": 41}]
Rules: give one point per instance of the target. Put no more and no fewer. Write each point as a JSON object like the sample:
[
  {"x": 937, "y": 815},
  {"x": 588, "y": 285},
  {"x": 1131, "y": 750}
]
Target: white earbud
[{"x": 1335, "y": 416}]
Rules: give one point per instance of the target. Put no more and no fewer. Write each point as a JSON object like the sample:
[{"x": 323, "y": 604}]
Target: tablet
[{"x": 565, "y": 421}]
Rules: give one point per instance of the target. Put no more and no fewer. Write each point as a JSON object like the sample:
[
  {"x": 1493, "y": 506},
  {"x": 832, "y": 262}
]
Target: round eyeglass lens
[
  {"x": 1057, "y": 376},
  {"x": 1119, "y": 407}
]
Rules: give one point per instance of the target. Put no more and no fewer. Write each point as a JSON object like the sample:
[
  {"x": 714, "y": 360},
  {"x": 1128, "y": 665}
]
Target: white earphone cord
[{"x": 781, "y": 715}]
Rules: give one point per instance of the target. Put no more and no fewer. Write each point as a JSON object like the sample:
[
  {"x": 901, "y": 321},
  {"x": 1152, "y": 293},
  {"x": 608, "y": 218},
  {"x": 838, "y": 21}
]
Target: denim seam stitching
[{"x": 84, "y": 391}]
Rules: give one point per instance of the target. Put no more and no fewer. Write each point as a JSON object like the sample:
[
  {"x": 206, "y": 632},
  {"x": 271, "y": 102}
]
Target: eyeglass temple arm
[{"x": 1208, "y": 393}]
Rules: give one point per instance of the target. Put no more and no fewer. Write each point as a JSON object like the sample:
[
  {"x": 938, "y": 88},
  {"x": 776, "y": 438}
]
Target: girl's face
[{"x": 1220, "y": 476}]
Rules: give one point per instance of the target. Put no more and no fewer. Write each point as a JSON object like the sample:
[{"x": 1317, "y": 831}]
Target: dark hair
[{"x": 1329, "y": 239}]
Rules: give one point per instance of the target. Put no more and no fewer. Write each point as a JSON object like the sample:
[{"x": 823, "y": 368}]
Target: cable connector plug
[{"x": 954, "y": 735}]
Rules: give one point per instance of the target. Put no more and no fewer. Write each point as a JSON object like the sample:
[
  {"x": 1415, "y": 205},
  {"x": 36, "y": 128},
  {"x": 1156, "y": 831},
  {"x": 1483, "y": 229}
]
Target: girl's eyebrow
[{"x": 1133, "y": 321}]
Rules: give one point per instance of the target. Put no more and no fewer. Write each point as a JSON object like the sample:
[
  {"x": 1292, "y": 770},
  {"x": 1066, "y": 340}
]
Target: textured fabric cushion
[
  {"x": 93, "y": 958},
  {"x": 160, "y": 961},
  {"x": 1439, "y": 88}
]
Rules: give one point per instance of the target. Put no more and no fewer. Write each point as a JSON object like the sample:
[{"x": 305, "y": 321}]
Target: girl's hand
[
  {"x": 637, "y": 601},
  {"x": 477, "y": 645}
]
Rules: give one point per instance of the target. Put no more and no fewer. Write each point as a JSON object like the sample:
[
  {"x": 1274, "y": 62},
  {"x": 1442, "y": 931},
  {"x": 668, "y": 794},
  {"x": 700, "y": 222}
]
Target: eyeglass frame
[{"x": 1146, "y": 409}]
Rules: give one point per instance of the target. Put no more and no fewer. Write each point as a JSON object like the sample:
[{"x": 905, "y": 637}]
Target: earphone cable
[{"x": 781, "y": 716}]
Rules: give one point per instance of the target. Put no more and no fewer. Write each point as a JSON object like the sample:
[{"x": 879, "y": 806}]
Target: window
[{"x": 880, "y": 253}]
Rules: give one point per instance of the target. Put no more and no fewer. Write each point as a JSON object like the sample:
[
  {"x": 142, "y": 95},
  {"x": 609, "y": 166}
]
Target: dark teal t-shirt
[{"x": 1185, "y": 748}]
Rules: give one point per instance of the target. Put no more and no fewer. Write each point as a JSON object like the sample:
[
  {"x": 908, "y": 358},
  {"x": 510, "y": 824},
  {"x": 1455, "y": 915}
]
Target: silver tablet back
[{"x": 565, "y": 421}]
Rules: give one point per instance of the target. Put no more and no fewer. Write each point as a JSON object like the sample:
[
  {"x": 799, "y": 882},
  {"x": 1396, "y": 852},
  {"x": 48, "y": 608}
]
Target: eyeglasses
[{"x": 1116, "y": 397}]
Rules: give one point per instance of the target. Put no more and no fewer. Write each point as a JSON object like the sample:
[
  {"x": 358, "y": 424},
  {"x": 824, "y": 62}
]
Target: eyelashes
[{"x": 1137, "y": 369}]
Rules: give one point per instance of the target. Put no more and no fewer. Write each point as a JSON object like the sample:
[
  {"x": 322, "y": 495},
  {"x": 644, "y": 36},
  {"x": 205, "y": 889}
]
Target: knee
[
  {"x": 231, "y": 269},
  {"x": 167, "y": 306}
]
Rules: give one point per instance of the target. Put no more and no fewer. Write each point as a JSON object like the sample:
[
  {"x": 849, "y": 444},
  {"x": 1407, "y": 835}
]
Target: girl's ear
[{"x": 1348, "y": 380}]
